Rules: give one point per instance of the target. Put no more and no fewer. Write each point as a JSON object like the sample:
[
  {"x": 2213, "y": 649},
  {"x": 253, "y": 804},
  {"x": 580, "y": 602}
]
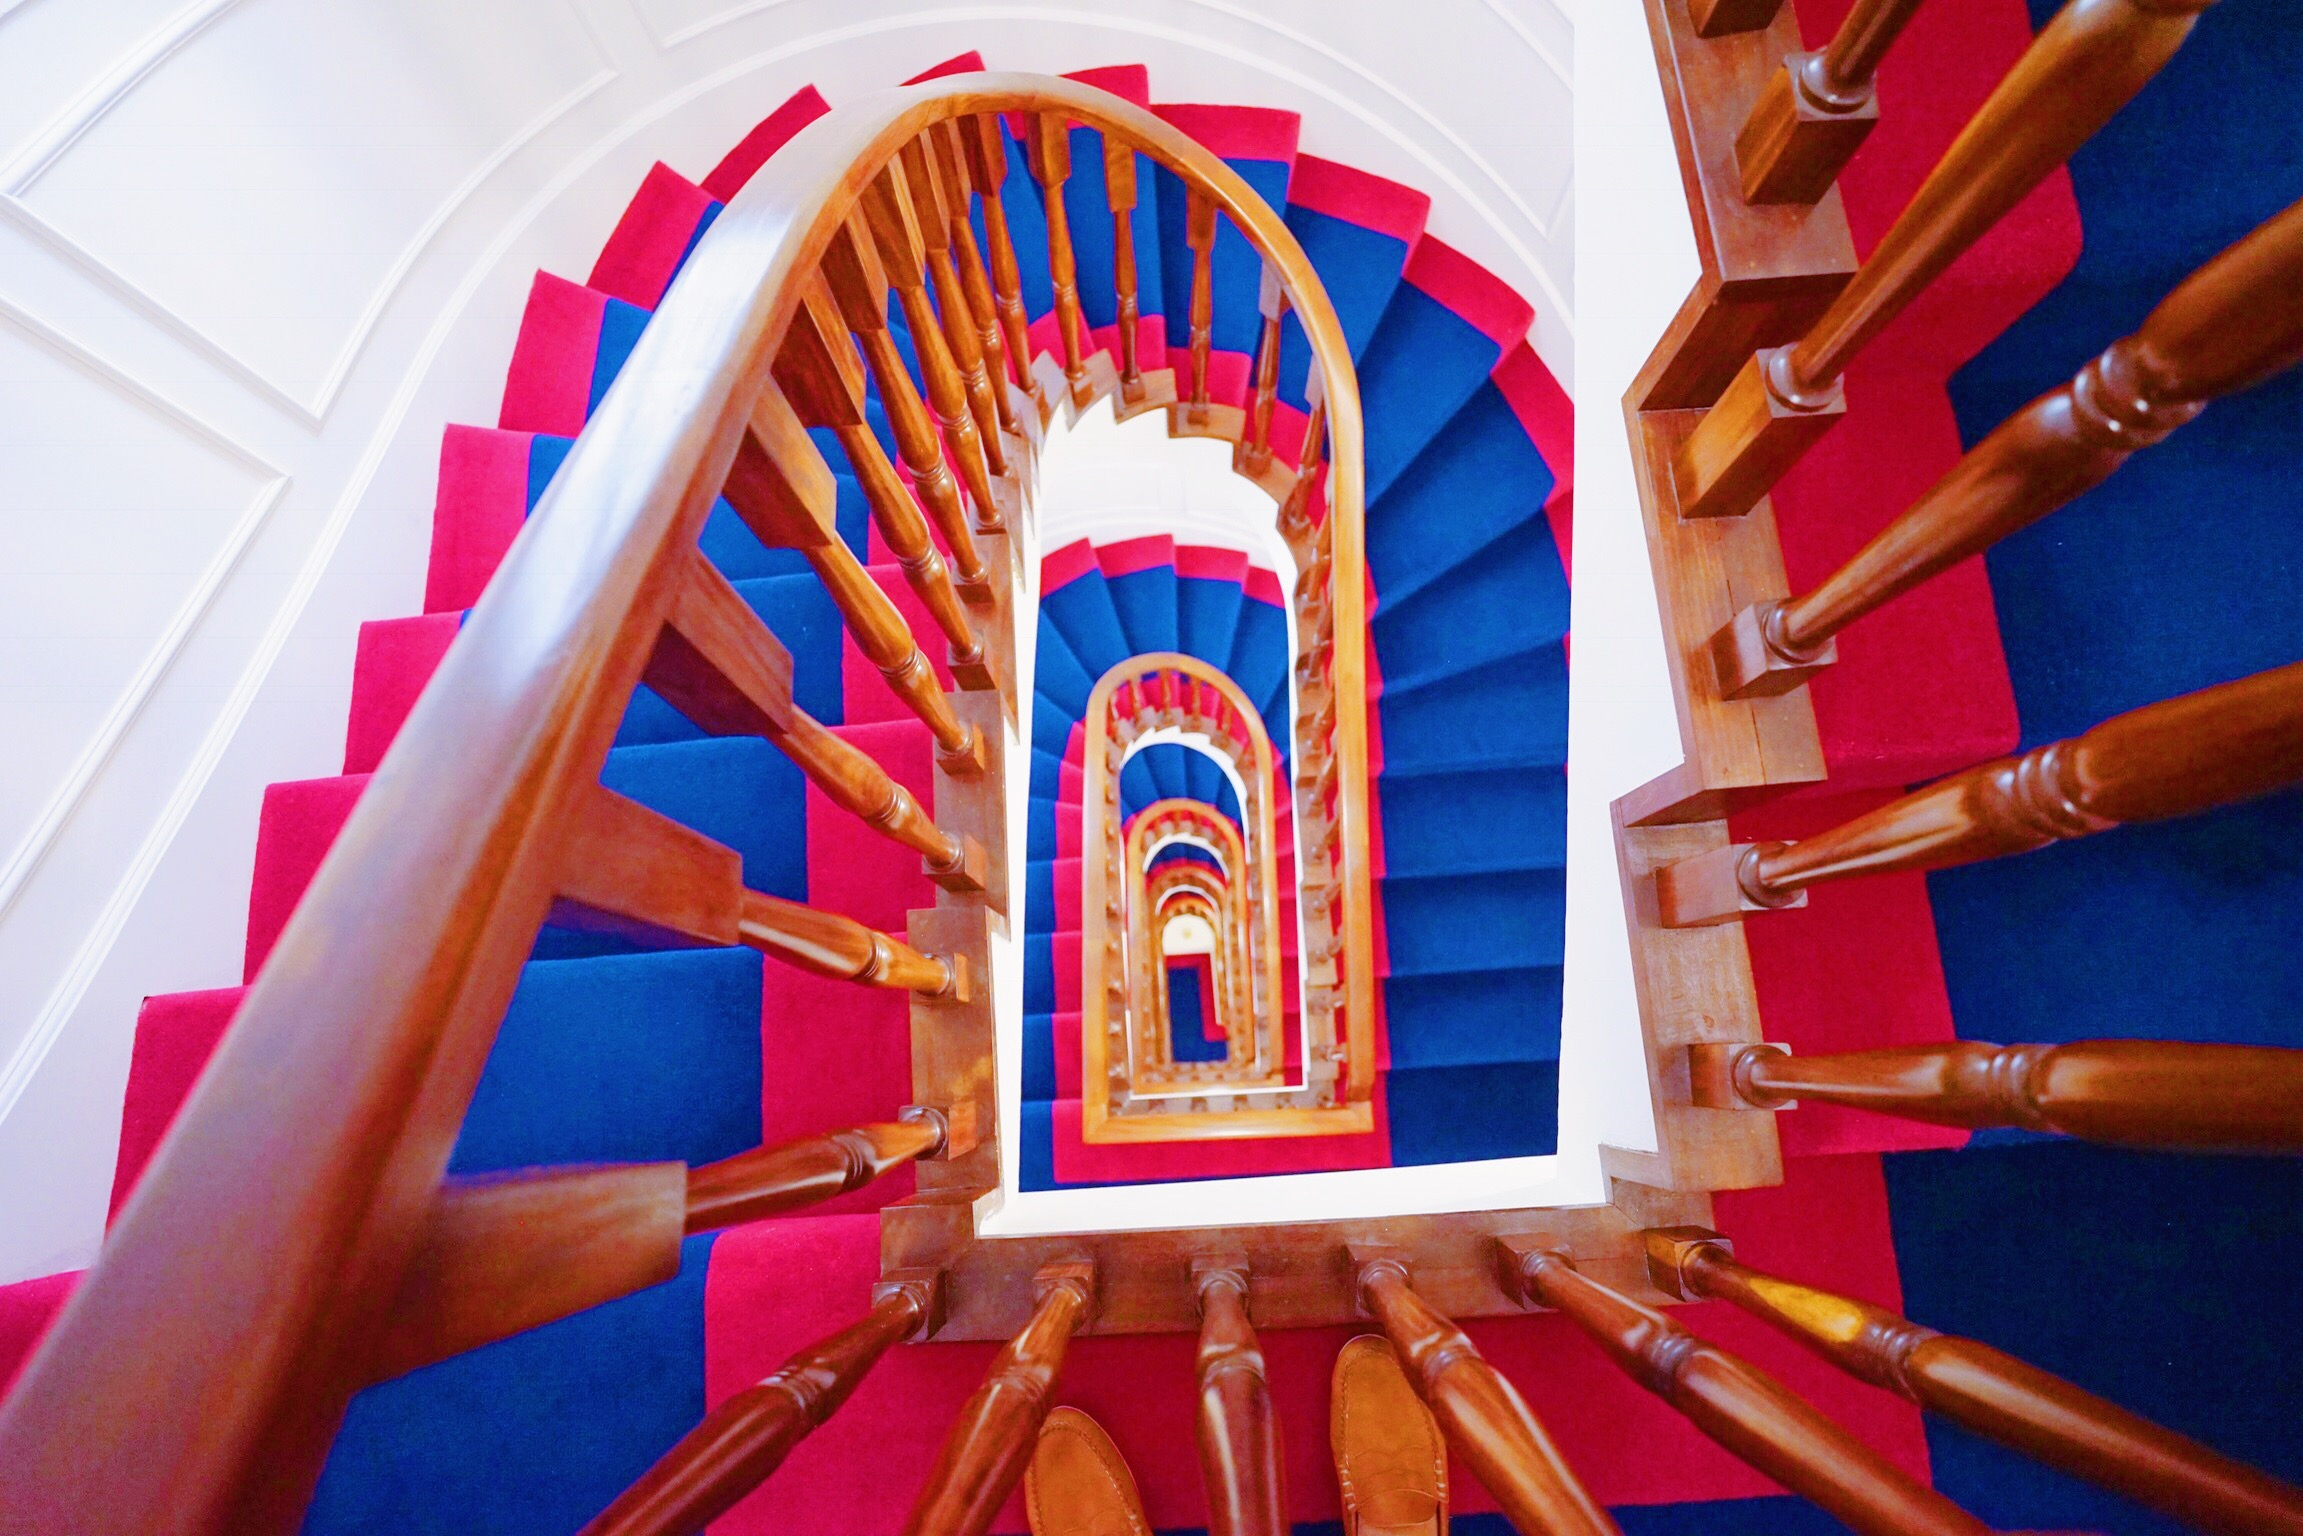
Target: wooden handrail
[
  {"x": 1737, "y": 1404},
  {"x": 1485, "y": 1419},
  {"x": 932, "y": 209},
  {"x": 2137, "y": 1093},
  {"x": 1818, "y": 109},
  {"x": 990, "y": 1443},
  {"x": 1239, "y": 1442},
  {"x": 2181, "y": 756},
  {"x": 1050, "y": 158},
  {"x": 1989, "y": 1392},
  {"x": 244, "y": 1285},
  {"x": 1120, "y": 191},
  {"x": 830, "y": 944},
  {"x": 2230, "y": 325},
  {"x": 2080, "y": 70},
  {"x": 747, "y": 1437}
]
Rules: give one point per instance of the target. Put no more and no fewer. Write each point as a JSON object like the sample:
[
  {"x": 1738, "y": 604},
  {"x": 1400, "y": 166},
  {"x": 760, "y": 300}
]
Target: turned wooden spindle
[
  {"x": 1120, "y": 189},
  {"x": 1051, "y": 163},
  {"x": 1295, "y": 519},
  {"x": 783, "y": 490},
  {"x": 810, "y": 1169},
  {"x": 2235, "y": 322},
  {"x": 1239, "y": 1441},
  {"x": 1989, "y": 1392},
  {"x": 2170, "y": 1094},
  {"x": 859, "y": 287},
  {"x": 823, "y": 379},
  {"x": 887, "y": 207},
  {"x": 1818, "y": 108},
  {"x": 1737, "y": 1404},
  {"x": 986, "y": 143},
  {"x": 1199, "y": 234},
  {"x": 931, "y": 209},
  {"x": 2178, "y": 757},
  {"x": 991, "y": 1441},
  {"x": 1486, "y": 1421},
  {"x": 855, "y": 782},
  {"x": 747, "y": 1437},
  {"x": 1255, "y": 452},
  {"x": 831, "y": 944},
  {"x": 2083, "y": 66},
  {"x": 975, "y": 281}
]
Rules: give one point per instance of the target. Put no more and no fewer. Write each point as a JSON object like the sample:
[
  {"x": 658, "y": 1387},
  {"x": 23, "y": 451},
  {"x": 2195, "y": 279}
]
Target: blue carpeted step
[
  {"x": 1477, "y": 481},
  {"x": 1512, "y": 596},
  {"x": 1187, "y": 1035},
  {"x": 1152, "y": 771},
  {"x": 1447, "y": 326},
  {"x": 1475, "y": 922},
  {"x": 1209, "y": 591},
  {"x": 1470, "y": 1018},
  {"x": 1358, "y": 231},
  {"x": 1513, "y": 713},
  {"x": 1470, "y": 1114},
  {"x": 1475, "y": 823},
  {"x": 1261, "y": 146}
]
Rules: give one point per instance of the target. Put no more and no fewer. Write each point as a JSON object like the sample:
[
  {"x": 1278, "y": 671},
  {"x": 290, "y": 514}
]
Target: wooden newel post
[
  {"x": 1989, "y": 1392},
  {"x": 2136, "y": 1093},
  {"x": 746, "y": 1438},
  {"x": 1818, "y": 109},
  {"x": 991, "y": 1442},
  {"x": 2081, "y": 69},
  {"x": 2193, "y": 753},
  {"x": 1736, "y": 1404},
  {"x": 2235, "y": 322},
  {"x": 1485, "y": 1419},
  {"x": 1238, "y": 1431}
]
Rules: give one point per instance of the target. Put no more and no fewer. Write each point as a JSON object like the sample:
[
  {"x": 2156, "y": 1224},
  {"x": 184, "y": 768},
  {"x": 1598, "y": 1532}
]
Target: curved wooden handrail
[
  {"x": 1989, "y": 1391},
  {"x": 249, "y": 1275}
]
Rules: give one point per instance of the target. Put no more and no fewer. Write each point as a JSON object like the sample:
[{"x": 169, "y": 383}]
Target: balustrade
[
  {"x": 975, "y": 280},
  {"x": 2178, "y": 757},
  {"x": 1989, "y": 1392},
  {"x": 1737, "y": 1404},
  {"x": 2087, "y": 62}
]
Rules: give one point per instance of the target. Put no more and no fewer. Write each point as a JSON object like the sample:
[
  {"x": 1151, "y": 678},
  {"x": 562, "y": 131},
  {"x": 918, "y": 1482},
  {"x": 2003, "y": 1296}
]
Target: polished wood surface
[
  {"x": 1120, "y": 191},
  {"x": 932, "y": 209},
  {"x": 2083, "y": 67},
  {"x": 1050, "y": 157},
  {"x": 1818, "y": 109},
  {"x": 2142, "y": 1093},
  {"x": 1486, "y": 1421},
  {"x": 1199, "y": 235},
  {"x": 990, "y": 1443},
  {"x": 968, "y": 258},
  {"x": 716, "y": 663},
  {"x": 2217, "y": 747},
  {"x": 2232, "y": 324},
  {"x": 1255, "y": 450},
  {"x": 985, "y": 142},
  {"x": 830, "y": 944},
  {"x": 1239, "y": 1442},
  {"x": 745, "y": 1438},
  {"x": 1990, "y": 1392},
  {"x": 809, "y": 1169},
  {"x": 1742, "y": 1407}
]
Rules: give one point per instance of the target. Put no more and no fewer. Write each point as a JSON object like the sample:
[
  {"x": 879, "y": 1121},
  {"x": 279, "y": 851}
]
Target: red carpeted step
[
  {"x": 659, "y": 226},
  {"x": 477, "y": 510},
  {"x": 298, "y": 825},
  {"x": 777, "y": 1287},
  {"x": 852, "y": 867},
  {"x": 865, "y": 694},
  {"x": 548, "y": 387},
  {"x": 774, "y": 131},
  {"x": 396, "y": 658},
  {"x": 26, "y": 1309},
  {"x": 176, "y": 1033}
]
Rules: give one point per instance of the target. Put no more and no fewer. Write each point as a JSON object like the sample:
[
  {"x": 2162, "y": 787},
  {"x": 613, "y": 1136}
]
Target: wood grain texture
[
  {"x": 934, "y": 208},
  {"x": 1199, "y": 235},
  {"x": 830, "y": 944},
  {"x": 1819, "y": 109},
  {"x": 1990, "y": 1392},
  {"x": 809, "y": 1169},
  {"x": 1239, "y": 1440}
]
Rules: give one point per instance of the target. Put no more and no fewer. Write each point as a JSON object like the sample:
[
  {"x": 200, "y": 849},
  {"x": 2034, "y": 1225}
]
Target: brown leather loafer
[
  {"x": 1390, "y": 1461},
  {"x": 1077, "y": 1485}
]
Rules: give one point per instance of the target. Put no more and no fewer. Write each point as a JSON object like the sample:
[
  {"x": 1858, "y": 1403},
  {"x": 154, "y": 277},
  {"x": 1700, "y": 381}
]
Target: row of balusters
[
  {"x": 1222, "y": 897},
  {"x": 1486, "y": 1421}
]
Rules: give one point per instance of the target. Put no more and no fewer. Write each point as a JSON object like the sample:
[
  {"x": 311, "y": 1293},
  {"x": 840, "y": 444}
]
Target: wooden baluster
[
  {"x": 951, "y": 166},
  {"x": 931, "y": 201},
  {"x": 1718, "y": 18},
  {"x": 1736, "y": 1403},
  {"x": 1255, "y": 453},
  {"x": 1238, "y": 1431},
  {"x": 1051, "y": 162},
  {"x": 854, "y": 781},
  {"x": 1295, "y": 519},
  {"x": 1989, "y": 1392},
  {"x": 2178, "y": 757},
  {"x": 783, "y": 490},
  {"x": 886, "y": 204},
  {"x": 1120, "y": 189},
  {"x": 991, "y": 1441},
  {"x": 859, "y": 287},
  {"x": 1199, "y": 234},
  {"x": 2138, "y": 1093},
  {"x": 746, "y": 1438},
  {"x": 987, "y": 148},
  {"x": 832, "y": 945},
  {"x": 1817, "y": 110},
  {"x": 2230, "y": 325},
  {"x": 2080, "y": 70},
  {"x": 1486, "y": 1421},
  {"x": 823, "y": 379},
  {"x": 811, "y": 1169}
]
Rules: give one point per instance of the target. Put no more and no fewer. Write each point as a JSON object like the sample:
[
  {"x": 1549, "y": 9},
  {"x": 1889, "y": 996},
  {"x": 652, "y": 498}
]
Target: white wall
[{"x": 253, "y": 253}]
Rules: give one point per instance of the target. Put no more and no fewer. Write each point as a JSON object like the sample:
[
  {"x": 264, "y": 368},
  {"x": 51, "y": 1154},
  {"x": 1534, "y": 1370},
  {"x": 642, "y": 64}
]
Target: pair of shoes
[{"x": 1390, "y": 1462}]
